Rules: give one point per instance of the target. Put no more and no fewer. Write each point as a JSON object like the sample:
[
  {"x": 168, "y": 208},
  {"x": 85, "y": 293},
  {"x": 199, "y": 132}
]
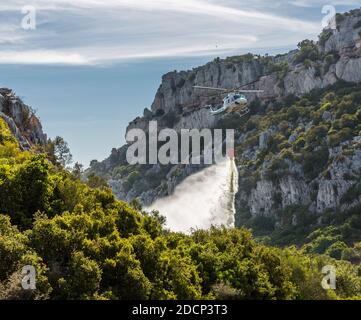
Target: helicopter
[{"x": 234, "y": 101}]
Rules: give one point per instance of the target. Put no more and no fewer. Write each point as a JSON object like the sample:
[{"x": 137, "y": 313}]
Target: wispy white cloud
[
  {"x": 319, "y": 3},
  {"x": 106, "y": 31},
  {"x": 42, "y": 57},
  {"x": 191, "y": 7},
  {"x": 9, "y": 35}
]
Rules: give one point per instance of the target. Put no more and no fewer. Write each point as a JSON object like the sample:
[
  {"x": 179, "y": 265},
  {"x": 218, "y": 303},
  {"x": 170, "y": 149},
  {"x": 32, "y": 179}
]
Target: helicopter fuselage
[{"x": 232, "y": 102}]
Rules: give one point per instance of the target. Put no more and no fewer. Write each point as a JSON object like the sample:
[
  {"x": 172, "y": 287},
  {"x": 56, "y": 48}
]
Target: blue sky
[{"x": 91, "y": 66}]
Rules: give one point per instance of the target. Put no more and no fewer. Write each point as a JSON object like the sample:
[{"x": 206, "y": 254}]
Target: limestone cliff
[
  {"x": 178, "y": 105},
  {"x": 21, "y": 120},
  {"x": 283, "y": 120}
]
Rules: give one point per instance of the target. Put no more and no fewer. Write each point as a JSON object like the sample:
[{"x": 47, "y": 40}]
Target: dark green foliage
[
  {"x": 324, "y": 36},
  {"x": 351, "y": 194},
  {"x": 95, "y": 181},
  {"x": 87, "y": 245},
  {"x": 308, "y": 50},
  {"x": 26, "y": 189},
  {"x": 336, "y": 249},
  {"x": 336, "y": 137},
  {"x": 316, "y": 135},
  {"x": 329, "y": 60},
  {"x": 231, "y": 121},
  {"x": 315, "y": 162},
  {"x": 262, "y": 224},
  {"x": 58, "y": 152},
  {"x": 317, "y": 121}
]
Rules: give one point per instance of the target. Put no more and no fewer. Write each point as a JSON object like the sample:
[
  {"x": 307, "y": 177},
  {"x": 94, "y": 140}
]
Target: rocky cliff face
[
  {"x": 278, "y": 76},
  {"x": 287, "y": 186},
  {"x": 266, "y": 137},
  {"x": 21, "y": 120}
]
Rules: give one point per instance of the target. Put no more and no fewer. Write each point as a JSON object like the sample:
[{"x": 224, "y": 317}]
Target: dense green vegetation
[
  {"x": 85, "y": 244},
  {"x": 305, "y": 129}
]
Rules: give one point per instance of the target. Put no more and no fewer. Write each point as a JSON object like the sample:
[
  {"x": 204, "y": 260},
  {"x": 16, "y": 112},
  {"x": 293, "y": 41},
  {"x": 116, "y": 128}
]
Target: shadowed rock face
[
  {"x": 177, "y": 105},
  {"x": 21, "y": 119}
]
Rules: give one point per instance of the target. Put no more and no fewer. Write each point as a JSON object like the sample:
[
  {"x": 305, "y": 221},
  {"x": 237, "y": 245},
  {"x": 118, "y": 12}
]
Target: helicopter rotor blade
[
  {"x": 224, "y": 90},
  {"x": 250, "y": 90},
  {"x": 211, "y": 88}
]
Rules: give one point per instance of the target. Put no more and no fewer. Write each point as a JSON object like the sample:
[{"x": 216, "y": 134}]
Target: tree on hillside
[{"x": 59, "y": 152}]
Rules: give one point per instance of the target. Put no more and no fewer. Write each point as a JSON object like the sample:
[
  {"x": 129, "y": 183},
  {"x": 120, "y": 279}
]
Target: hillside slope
[
  {"x": 85, "y": 244},
  {"x": 289, "y": 148}
]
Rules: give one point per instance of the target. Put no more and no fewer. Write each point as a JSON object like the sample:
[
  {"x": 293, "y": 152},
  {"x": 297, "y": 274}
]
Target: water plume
[{"x": 203, "y": 199}]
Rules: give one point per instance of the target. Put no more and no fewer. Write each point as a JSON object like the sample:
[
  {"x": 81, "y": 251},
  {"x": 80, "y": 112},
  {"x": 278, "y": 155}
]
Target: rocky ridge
[
  {"x": 335, "y": 58},
  {"x": 21, "y": 120}
]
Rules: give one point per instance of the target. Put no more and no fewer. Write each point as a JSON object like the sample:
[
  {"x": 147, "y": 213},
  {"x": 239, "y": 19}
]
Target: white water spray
[{"x": 203, "y": 199}]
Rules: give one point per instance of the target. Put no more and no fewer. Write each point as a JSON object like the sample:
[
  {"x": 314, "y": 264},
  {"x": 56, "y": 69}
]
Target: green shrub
[
  {"x": 334, "y": 139},
  {"x": 308, "y": 50},
  {"x": 307, "y": 63},
  {"x": 335, "y": 250},
  {"x": 351, "y": 194},
  {"x": 316, "y": 134},
  {"x": 324, "y": 36},
  {"x": 315, "y": 162},
  {"x": 329, "y": 60}
]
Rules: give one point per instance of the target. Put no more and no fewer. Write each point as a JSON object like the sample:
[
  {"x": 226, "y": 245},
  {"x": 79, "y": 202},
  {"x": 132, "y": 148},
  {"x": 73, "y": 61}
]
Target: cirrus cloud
[{"x": 108, "y": 31}]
